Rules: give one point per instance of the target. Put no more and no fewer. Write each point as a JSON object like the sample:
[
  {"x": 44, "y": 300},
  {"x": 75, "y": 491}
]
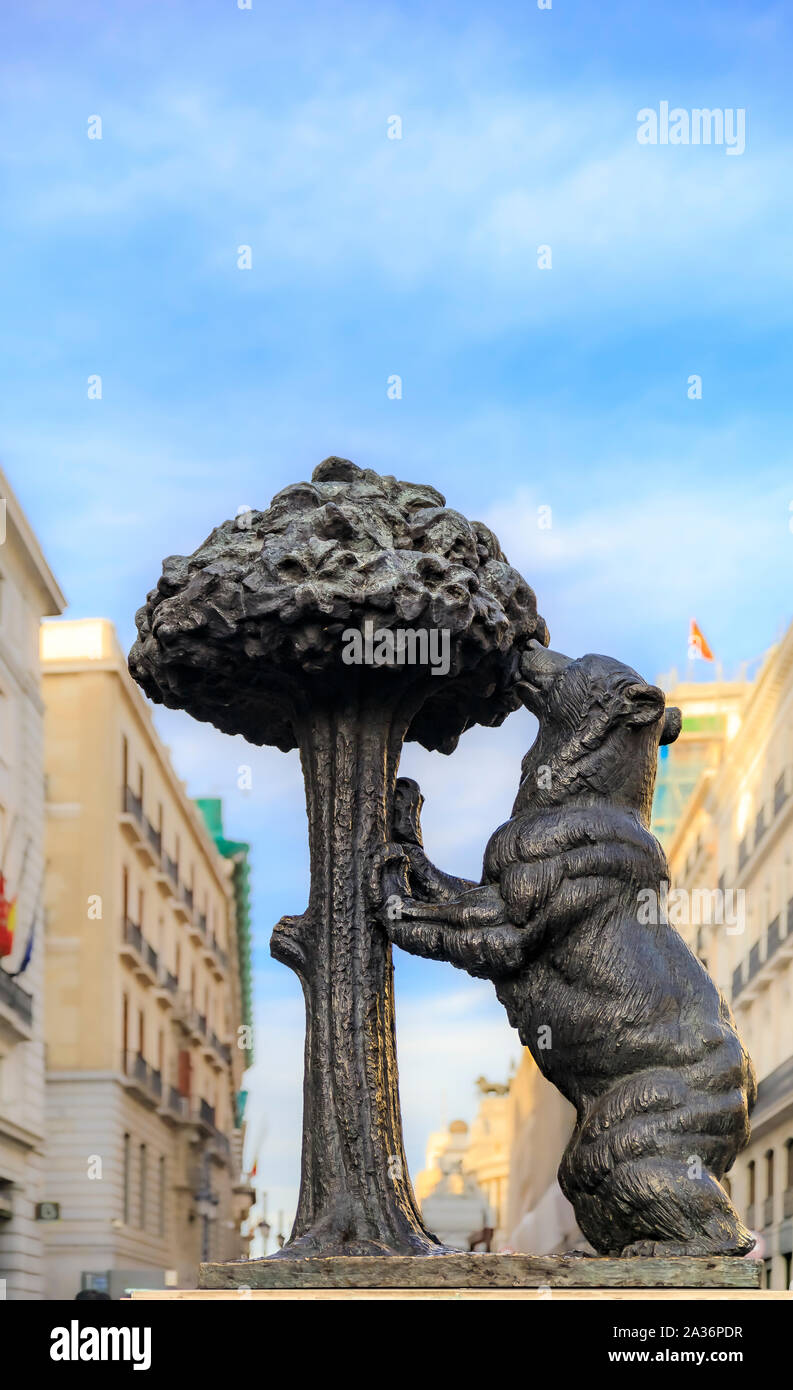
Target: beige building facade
[
  {"x": 143, "y": 1003},
  {"x": 28, "y": 592},
  {"x": 462, "y": 1188},
  {"x": 732, "y": 856}
]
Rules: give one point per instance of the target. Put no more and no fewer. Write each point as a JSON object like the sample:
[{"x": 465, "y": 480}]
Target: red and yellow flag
[
  {"x": 8, "y": 918},
  {"x": 698, "y": 648}
]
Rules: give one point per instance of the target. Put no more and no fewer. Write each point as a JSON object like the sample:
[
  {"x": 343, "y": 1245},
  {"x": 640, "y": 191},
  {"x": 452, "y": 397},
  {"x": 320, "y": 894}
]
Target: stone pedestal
[{"x": 482, "y": 1272}]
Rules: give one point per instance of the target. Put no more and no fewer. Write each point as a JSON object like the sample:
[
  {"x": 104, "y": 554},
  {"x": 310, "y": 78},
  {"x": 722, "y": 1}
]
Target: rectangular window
[
  {"x": 127, "y": 1176},
  {"x": 161, "y": 1206},
  {"x": 143, "y": 1182}
]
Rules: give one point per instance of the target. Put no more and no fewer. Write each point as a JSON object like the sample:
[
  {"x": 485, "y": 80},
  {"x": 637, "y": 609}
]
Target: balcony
[
  {"x": 203, "y": 1115},
  {"x": 218, "y": 960},
  {"x": 149, "y": 968},
  {"x": 141, "y": 1079},
  {"x": 131, "y": 942},
  {"x": 167, "y": 875},
  {"x": 221, "y": 1148},
  {"x": 16, "y": 1009},
  {"x": 174, "y": 1107},
  {"x": 183, "y": 904},
  {"x": 165, "y": 991},
  {"x": 149, "y": 846},
  {"x": 222, "y": 1049},
  {"x": 188, "y": 1019},
  {"x": 131, "y": 818},
  {"x": 787, "y": 1202},
  {"x": 756, "y": 971},
  {"x": 197, "y": 928}
]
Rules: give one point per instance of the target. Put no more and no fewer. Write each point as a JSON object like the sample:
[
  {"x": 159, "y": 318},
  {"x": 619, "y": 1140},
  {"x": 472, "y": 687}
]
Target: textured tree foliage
[
  {"x": 248, "y": 633},
  {"x": 236, "y": 631}
]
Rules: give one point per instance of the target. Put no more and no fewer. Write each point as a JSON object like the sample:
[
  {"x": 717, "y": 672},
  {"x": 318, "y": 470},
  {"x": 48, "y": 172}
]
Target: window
[
  {"x": 143, "y": 1181},
  {"x": 127, "y": 1166},
  {"x": 789, "y": 1164},
  {"x": 161, "y": 1201},
  {"x": 751, "y": 1177},
  {"x": 124, "y": 770},
  {"x": 769, "y": 1173}
]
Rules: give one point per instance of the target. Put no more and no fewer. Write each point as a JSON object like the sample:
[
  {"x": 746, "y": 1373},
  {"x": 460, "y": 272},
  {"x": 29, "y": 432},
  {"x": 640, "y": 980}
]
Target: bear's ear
[
  {"x": 673, "y": 723},
  {"x": 643, "y": 704}
]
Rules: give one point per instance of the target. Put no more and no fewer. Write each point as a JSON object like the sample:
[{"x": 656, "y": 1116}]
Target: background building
[
  {"x": 732, "y": 850},
  {"x": 27, "y": 592},
  {"x": 463, "y": 1186},
  {"x": 143, "y": 989},
  {"x": 539, "y": 1219}
]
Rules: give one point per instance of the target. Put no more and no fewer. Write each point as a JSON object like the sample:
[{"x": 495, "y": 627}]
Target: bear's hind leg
[{"x": 669, "y": 1212}]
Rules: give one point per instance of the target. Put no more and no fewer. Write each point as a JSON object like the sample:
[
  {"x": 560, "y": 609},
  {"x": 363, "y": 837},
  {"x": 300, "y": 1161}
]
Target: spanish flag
[
  {"x": 698, "y": 648},
  {"x": 8, "y": 920}
]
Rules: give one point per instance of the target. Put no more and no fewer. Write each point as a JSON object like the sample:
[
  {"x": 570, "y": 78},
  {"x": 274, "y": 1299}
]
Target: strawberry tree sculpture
[{"x": 252, "y": 634}]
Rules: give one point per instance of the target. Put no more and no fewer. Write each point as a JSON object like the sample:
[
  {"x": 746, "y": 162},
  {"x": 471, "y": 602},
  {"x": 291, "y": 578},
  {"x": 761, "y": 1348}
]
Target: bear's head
[{"x": 600, "y": 727}]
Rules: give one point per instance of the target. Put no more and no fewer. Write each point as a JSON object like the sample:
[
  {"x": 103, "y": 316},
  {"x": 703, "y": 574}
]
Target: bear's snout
[{"x": 540, "y": 668}]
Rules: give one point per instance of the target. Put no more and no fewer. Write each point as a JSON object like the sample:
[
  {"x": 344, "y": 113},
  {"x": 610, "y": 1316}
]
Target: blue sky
[{"x": 418, "y": 257}]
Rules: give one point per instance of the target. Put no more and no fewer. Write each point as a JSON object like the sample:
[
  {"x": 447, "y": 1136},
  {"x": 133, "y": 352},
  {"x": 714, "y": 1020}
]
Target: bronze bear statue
[{"x": 616, "y": 1010}]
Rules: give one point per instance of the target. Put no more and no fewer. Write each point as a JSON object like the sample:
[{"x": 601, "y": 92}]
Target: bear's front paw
[{"x": 388, "y": 873}]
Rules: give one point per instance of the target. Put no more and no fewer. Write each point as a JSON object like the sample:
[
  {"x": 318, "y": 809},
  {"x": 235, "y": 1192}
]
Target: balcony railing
[
  {"x": 133, "y": 935},
  {"x": 171, "y": 868},
  {"x": 223, "y": 1050},
  {"x": 773, "y": 938},
  {"x": 202, "y": 1023},
  {"x": 787, "y": 1202},
  {"x": 207, "y": 1113},
  {"x": 743, "y": 852},
  {"x": 133, "y": 805},
  {"x": 754, "y": 960},
  {"x": 202, "y": 923},
  {"x": 16, "y": 998},
  {"x": 737, "y": 980},
  {"x": 759, "y": 826},
  {"x": 155, "y": 1081},
  {"x": 187, "y": 894},
  {"x": 154, "y": 837},
  {"x": 176, "y": 1101},
  {"x": 750, "y": 1216},
  {"x": 220, "y": 953},
  {"x": 780, "y": 794},
  {"x": 152, "y": 959}
]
